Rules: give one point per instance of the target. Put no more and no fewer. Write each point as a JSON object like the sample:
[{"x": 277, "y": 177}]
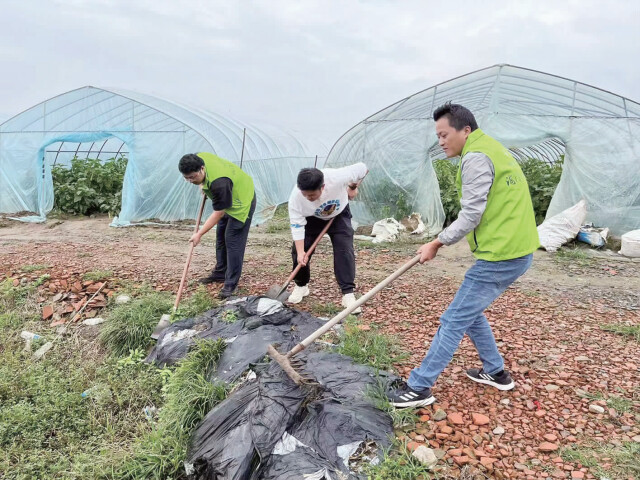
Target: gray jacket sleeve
[{"x": 477, "y": 178}]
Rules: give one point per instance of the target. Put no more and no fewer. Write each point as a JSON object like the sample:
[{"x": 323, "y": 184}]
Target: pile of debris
[
  {"x": 66, "y": 297},
  {"x": 269, "y": 427},
  {"x": 78, "y": 301},
  {"x": 390, "y": 229}
]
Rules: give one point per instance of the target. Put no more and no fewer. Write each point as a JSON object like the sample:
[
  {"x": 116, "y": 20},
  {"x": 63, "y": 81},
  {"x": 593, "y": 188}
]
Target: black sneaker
[
  {"x": 226, "y": 292},
  {"x": 405, "y": 396},
  {"x": 501, "y": 380},
  {"x": 211, "y": 279}
]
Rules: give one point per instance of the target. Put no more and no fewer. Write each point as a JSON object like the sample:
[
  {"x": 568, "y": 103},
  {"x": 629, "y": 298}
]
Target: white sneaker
[
  {"x": 349, "y": 299},
  {"x": 298, "y": 294}
]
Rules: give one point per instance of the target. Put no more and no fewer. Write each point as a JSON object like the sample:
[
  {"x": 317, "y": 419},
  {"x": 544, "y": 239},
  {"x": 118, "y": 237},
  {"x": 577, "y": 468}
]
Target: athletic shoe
[
  {"x": 501, "y": 380},
  {"x": 298, "y": 294},
  {"x": 211, "y": 279},
  {"x": 226, "y": 292},
  {"x": 405, "y": 396},
  {"x": 349, "y": 299}
]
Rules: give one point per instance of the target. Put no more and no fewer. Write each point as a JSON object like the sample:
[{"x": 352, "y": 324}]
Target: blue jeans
[{"x": 483, "y": 283}]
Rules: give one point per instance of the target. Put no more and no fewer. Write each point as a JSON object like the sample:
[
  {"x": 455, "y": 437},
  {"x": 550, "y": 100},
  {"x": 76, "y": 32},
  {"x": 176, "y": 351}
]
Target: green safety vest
[
  {"x": 243, "y": 190},
  {"x": 508, "y": 226}
]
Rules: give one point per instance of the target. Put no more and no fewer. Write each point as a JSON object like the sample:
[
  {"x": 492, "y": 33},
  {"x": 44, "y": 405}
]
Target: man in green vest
[
  {"x": 498, "y": 221},
  {"x": 234, "y": 200}
]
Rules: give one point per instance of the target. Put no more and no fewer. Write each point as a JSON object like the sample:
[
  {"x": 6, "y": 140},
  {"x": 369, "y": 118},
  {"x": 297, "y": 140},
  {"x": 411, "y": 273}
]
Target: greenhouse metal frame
[
  {"x": 155, "y": 133},
  {"x": 535, "y": 114}
]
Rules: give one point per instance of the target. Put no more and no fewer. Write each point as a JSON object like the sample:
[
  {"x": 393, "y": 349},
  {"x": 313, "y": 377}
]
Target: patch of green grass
[
  {"x": 33, "y": 268},
  {"x": 48, "y": 430},
  {"x": 97, "y": 275},
  {"x": 20, "y": 300},
  {"x": 229, "y": 316},
  {"x": 10, "y": 320},
  {"x": 632, "y": 331},
  {"x": 624, "y": 459},
  {"x": 190, "y": 396},
  {"x": 619, "y": 404},
  {"x": 199, "y": 302},
  {"x": 11, "y": 297},
  {"x": 369, "y": 347},
  {"x": 41, "y": 279},
  {"x": 328, "y": 309},
  {"x": 548, "y": 468},
  {"x": 133, "y": 289},
  {"x": 402, "y": 417},
  {"x": 573, "y": 255},
  {"x": 130, "y": 325},
  {"x": 583, "y": 456},
  {"x": 398, "y": 464}
]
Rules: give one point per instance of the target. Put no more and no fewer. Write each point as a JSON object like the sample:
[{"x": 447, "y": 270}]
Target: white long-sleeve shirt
[{"x": 332, "y": 201}]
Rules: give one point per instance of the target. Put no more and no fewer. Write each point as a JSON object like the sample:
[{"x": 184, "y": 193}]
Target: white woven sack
[
  {"x": 631, "y": 244},
  {"x": 559, "y": 229}
]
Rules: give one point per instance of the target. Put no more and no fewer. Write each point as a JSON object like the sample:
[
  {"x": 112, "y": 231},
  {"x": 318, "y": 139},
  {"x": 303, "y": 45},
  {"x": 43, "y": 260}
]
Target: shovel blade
[
  {"x": 164, "y": 322},
  {"x": 277, "y": 293}
]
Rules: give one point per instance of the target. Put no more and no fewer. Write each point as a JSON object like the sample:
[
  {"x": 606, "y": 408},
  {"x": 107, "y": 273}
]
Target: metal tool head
[
  {"x": 284, "y": 362},
  {"x": 277, "y": 293},
  {"x": 164, "y": 322}
]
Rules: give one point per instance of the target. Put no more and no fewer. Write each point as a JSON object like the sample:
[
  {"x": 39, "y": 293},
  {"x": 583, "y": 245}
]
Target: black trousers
[
  {"x": 344, "y": 259},
  {"x": 231, "y": 241}
]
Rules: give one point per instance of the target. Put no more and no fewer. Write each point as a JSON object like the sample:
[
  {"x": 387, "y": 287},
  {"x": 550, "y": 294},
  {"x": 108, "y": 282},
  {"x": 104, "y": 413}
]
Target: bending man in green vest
[
  {"x": 498, "y": 220},
  {"x": 233, "y": 196}
]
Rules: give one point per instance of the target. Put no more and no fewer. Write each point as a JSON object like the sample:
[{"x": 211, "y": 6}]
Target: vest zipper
[{"x": 475, "y": 240}]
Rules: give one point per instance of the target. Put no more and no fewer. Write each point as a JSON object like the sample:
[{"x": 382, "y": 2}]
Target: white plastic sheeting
[
  {"x": 156, "y": 133},
  {"x": 520, "y": 108}
]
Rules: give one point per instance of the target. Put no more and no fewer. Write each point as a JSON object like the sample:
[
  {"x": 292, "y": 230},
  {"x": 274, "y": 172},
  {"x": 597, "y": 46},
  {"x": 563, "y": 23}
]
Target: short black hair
[
  {"x": 310, "y": 179},
  {"x": 459, "y": 116},
  {"x": 190, "y": 163}
]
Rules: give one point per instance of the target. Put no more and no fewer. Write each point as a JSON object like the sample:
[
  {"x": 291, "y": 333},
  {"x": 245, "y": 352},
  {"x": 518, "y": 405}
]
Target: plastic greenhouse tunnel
[
  {"x": 152, "y": 134},
  {"x": 536, "y": 115}
]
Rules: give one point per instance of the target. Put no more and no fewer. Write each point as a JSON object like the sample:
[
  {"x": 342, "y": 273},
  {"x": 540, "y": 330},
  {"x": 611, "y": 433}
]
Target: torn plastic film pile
[{"x": 270, "y": 428}]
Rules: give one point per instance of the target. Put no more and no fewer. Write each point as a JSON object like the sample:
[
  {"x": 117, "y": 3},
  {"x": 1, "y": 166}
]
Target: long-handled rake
[
  {"x": 280, "y": 293},
  {"x": 291, "y": 365},
  {"x": 165, "y": 320}
]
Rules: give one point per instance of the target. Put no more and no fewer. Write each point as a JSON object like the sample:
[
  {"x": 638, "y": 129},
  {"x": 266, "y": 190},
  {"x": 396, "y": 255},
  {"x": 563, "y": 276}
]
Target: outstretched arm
[
  {"x": 211, "y": 222},
  {"x": 477, "y": 178}
]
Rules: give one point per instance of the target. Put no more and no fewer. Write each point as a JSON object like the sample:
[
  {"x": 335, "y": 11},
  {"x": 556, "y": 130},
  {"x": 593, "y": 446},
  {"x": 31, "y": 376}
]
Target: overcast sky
[{"x": 315, "y": 68}]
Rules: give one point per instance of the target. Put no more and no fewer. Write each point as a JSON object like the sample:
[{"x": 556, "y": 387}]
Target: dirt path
[{"x": 548, "y": 326}]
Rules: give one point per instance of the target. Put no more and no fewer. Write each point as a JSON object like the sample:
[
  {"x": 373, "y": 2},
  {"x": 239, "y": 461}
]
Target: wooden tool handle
[
  {"x": 314, "y": 244},
  {"x": 309, "y": 252},
  {"x": 327, "y": 326},
  {"x": 188, "y": 262}
]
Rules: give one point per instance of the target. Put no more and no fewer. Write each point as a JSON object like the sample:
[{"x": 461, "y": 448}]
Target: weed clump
[
  {"x": 189, "y": 397},
  {"x": 130, "y": 325}
]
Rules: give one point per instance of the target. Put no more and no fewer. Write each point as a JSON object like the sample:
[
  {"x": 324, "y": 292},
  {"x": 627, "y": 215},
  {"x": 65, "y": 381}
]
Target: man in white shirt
[{"x": 318, "y": 196}]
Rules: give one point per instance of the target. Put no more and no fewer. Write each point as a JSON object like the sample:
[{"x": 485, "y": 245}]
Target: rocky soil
[{"x": 578, "y": 385}]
